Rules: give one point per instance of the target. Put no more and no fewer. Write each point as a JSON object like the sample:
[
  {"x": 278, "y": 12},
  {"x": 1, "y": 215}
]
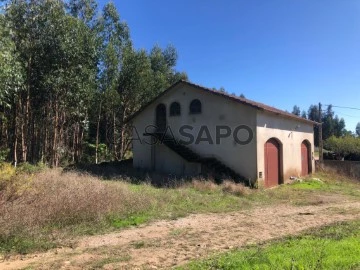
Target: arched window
[
  {"x": 175, "y": 109},
  {"x": 195, "y": 106}
]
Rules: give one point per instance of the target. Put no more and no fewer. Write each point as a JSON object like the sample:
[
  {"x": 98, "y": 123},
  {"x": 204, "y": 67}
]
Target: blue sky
[{"x": 279, "y": 52}]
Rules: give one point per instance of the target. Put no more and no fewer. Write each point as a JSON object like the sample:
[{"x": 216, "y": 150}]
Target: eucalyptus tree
[
  {"x": 135, "y": 85},
  {"x": 11, "y": 81},
  {"x": 69, "y": 78},
  {"x": 296, "y": 110},
  {"x": 357, "y": 129},
  {"x": 303, "y": 114},
  {"x": 84, "y": 10},
  {"x": 163, "y": 62},
  {"x": 58, "y": 55},
  {"x": 114, "y": 35},
  {"x": 21, "y": 18}
]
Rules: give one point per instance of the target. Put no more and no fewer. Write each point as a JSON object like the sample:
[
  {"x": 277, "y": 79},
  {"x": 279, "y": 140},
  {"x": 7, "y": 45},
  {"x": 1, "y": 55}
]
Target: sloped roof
[{"x": 245, "y": 101}]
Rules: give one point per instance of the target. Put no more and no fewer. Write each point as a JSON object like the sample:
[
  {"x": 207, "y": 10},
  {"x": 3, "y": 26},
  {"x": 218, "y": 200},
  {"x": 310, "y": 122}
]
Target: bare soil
[{"x": 164, "y": 244}]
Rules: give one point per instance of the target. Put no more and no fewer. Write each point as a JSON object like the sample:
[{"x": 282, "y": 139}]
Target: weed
[
  {"x": 204, "y": 185},
  {"x": 129, "y": 221},
  {"x": 234, "y": 188},
  {"x": 138, "y": 244},
  {"x": 178, "y": 232},
  {"x": 109, "y": 260}
]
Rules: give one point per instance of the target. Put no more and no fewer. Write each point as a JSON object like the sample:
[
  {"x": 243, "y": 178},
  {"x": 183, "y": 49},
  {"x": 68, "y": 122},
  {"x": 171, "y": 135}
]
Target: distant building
[{"x": 211, "y": 132}]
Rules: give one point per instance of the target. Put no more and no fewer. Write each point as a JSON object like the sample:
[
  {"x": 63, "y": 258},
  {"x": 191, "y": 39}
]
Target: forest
[{"x": 69, "y": 77}]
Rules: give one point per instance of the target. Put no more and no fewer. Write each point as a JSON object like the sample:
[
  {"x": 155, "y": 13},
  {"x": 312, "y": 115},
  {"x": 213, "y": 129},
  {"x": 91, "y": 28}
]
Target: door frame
[
  {"x": 308, "y": 147},
  {"x": 280, "y": 159}
]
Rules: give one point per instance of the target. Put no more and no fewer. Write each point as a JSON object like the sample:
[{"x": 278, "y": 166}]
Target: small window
[
  {"x": 195, "y": 106},
  {"x": 175, "y": 109}
]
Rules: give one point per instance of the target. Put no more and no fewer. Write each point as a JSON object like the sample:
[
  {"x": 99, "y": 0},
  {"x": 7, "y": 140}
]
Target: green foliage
[
  {"x": 24, "y": 244},
  {"x": 332, "y": 247},
  {"x": 296, "y": 110},
  {"x": 343, "y": 145},
  {"x": 4, "y": 153},
  {"x": 30, "y": 168},
  {"x": 332, "y": 125},
  {"x": 88, "y": 155},
  {"x": 7, "y": 172},
  {"x": 11, "y": 71},
  {"x": 303, "y": 114},
  {"x": 70, "y": 78}
]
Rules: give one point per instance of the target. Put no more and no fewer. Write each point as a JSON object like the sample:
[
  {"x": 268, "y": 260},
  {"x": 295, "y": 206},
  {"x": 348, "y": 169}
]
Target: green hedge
[{"x": 344, "y": 145}]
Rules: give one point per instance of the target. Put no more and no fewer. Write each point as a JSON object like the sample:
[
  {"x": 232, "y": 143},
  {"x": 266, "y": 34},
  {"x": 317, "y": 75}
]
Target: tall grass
[
  {"x": 65, "y": 199},
  {"x": 40, "y": 209},
  {"x": 51, "y": 202},
  {"x": 55, "y": 200}
]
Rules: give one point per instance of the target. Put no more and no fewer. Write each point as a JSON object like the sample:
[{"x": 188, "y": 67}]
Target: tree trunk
[
  {"x": 55, "y": 138},
  {"x": 15, "y": 142},
  {"x": 114, "y": 135},
  {"x": 97, "y": 136}
]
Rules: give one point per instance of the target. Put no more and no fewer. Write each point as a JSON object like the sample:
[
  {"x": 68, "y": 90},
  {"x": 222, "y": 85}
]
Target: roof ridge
[
  {"x": 248, "y": 102},
  {"x": 252, "y": 103}
]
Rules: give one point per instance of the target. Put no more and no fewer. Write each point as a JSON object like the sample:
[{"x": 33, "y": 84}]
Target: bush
[
  {"x": 30, "y": 168},
  {"x": 7, "y": 171},
  {"x": 204, "y": 185},
  {"x": 4, "y": 152},
  {"x": 343, "y": 146},
  {"x": 67, "y": 199},
  {"x": 12, "y": 183},
  {"x": 235, "y": 188}
]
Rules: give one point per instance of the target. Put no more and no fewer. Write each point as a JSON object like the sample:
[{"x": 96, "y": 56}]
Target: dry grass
[
  {"x": 228, "y": 187},
  {"x": 60, "y": 199},
  {"x": 234, "y": 188},
  {"x": 54, "y": 206},
  {"x": 204, "y": 185}
]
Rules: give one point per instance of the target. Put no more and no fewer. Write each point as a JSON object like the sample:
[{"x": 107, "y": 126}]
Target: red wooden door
[
  {"x": 272, "y": 163},
  {"x": 304, "y": 159}
]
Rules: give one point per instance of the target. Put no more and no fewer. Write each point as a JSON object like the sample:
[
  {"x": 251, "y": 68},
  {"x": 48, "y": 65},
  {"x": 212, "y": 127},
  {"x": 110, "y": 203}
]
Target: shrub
[
  {"x": 234, "y": 188},
  {"x": 58, "y": 200},
  {"x": 12, "y": 183},
  {"x": 344, "y": 145},
  {"x": 30, "y": 168},
  {"x": 7, "y": 171},
  {"x": 204, "y": 185},
  {"x": 4, "y": 152}
]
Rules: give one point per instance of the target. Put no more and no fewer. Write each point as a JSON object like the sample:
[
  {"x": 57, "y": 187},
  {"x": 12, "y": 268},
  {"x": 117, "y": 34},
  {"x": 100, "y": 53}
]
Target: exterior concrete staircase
[{"x": 212, "y": 164}]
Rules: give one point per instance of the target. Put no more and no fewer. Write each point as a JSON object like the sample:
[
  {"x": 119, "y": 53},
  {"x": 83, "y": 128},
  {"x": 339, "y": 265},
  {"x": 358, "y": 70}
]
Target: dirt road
[{"x": 163, "y": 244}]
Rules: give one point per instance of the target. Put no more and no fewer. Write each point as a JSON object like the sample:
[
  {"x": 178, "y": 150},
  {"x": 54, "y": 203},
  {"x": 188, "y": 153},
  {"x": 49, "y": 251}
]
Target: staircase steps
[{"x": 210, "y": 162}]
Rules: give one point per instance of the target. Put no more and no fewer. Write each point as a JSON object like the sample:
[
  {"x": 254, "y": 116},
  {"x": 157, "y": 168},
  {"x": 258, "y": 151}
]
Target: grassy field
[
  {"x": 332, "y": 247},
  {"x": 44, "y": 208}
]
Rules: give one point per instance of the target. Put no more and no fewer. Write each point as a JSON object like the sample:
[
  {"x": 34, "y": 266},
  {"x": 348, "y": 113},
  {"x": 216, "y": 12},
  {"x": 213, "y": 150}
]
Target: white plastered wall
[
  {"x": 216, "y": 111},
  {"x": 291, "y": 133}
]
